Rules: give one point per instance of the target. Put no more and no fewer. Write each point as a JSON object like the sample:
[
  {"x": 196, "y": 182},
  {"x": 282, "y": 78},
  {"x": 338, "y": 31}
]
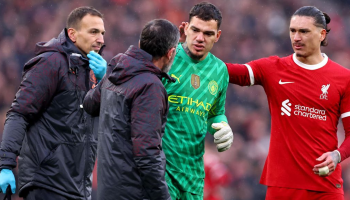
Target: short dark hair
[
  {"x": 74, "y": 18},
  {"x": 321, "y": 18},
  {"x": 206, "y": 11},
  {"x": 158, "y": 37}
]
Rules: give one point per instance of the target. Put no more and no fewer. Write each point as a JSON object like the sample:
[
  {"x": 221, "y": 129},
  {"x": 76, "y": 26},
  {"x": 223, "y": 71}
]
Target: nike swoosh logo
[{"x": 282, "y": 83}]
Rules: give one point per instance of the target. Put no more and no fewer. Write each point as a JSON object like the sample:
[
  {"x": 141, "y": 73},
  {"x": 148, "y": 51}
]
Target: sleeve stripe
[
  {"x": 347, "y": 114},
  {"x": 251, "y": 74}
]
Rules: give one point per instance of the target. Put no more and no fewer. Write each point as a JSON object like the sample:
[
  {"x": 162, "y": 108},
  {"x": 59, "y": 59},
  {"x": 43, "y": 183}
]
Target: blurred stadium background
[{"x": 251, "y": 29}]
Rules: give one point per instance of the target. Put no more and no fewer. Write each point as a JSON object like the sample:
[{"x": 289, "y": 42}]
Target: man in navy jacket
[
  {"x": 46, "y": 125},
  {"x": 133, "y": 104}
]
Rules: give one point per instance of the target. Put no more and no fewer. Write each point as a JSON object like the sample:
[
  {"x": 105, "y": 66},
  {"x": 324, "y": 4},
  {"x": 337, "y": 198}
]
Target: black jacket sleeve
[
  {"x": 92, "y": 100},
  {"x": 34, "y": 94},
  {"x": 148, "y": 108}
]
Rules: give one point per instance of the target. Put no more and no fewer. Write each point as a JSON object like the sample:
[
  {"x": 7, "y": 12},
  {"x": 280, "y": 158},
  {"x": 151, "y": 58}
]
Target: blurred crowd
[{"x": 251, "y": 29}]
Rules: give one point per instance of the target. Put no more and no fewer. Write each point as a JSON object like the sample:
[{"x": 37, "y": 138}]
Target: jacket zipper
[{"x": 89, "y": 130}]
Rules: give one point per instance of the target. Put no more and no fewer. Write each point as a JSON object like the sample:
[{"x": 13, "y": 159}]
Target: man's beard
[
  {"x": 195, "y": 57},
  {"x": 190, "y": 54},
  {"x": 167, "y": 67}
]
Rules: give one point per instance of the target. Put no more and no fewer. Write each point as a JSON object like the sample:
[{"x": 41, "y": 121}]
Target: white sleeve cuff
[
  {"x": 347, "y": 114},
  {"x": 339, "y": 155},
  {"x": 251, "y": 74}
]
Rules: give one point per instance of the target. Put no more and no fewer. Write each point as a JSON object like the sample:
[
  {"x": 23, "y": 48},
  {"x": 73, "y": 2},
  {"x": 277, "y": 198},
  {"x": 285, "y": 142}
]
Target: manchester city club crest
[
  {"x": 213, "y": 87},
  {"x": 195, "y": 81}
]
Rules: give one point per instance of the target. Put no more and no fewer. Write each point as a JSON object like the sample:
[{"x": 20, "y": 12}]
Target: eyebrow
[
  {"x": 300, "y": 29},
  {"x": 98, "y": 30},
  {"x": 206, "y": 32}
]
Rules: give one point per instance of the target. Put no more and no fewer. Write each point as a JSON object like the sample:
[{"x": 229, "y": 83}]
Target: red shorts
[{"x": 279, "y": 193}]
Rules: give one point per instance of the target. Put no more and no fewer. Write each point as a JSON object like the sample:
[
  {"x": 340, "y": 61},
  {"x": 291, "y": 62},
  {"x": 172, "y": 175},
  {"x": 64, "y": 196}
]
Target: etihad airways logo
[
  {"x": 303, "y": 111},
  {"x": 190, "y": 105}
]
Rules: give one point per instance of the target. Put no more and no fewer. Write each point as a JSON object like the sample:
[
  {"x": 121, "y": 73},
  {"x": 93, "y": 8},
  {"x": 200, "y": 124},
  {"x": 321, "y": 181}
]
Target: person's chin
[
  {"x": 95, "y": 49},
  {"x": 197, "y": 54},
  {"x": 298, "y": 53}
]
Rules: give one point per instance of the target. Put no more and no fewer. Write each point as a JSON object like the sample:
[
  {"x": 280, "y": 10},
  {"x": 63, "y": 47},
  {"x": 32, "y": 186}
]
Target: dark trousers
[{"x": 42, "y": 194}]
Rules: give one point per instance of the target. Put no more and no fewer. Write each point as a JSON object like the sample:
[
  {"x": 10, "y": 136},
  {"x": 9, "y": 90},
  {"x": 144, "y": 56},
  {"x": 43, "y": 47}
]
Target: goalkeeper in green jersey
[{"x": 196, "y": 104}]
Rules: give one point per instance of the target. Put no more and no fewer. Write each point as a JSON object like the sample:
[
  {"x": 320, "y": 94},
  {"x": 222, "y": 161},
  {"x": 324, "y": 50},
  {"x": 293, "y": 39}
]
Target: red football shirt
[{"x": 305, "y": 102}]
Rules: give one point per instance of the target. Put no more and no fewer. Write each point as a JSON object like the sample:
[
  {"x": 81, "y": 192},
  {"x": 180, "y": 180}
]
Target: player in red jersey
[{"x": 307, "y": 94}]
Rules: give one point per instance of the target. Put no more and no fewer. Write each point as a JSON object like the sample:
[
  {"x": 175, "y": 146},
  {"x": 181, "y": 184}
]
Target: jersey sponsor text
[{"x": 304, "y": 111}]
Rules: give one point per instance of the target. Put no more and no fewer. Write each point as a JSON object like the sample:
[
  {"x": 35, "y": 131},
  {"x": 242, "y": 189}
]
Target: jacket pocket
[
  {"x": 50, "y": 155},
  {"x": 65, "y": 168}
]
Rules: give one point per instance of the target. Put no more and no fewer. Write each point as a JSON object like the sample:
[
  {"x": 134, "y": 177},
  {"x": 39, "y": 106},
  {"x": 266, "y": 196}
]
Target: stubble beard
[
  {"x": 299, "y": 55},
  {"x": 189, "y": 53},
  {"x": 167, "y": 67}
]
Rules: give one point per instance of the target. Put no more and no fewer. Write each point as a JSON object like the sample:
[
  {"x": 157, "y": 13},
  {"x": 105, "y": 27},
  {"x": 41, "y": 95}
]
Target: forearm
[
  {"x": 13, "y": 135},
  {"x": 92, "y": 101},
  {"x": 344, "y": 149}
]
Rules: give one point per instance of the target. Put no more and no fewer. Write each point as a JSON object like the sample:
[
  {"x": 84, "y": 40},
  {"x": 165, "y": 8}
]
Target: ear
[
  {"x": 186, "y": 28},
  {"x": 171, "y": 52},
  {"x": 218, "y": 35},
  {"x": 72, "y": 34},
  {"x": 139, "y": 44},
  {"x": 323, "y": 34}
]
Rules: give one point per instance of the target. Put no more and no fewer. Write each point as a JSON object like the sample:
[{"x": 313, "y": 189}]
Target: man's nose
[
  {"x": 200, "y": 37},
  {"x": 100, "y": 39},
  {"x": 297, "y": 37}
]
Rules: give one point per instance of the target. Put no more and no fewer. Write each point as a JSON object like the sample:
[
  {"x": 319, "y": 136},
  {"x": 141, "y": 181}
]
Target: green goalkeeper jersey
[{"x": 196, "y": 100}]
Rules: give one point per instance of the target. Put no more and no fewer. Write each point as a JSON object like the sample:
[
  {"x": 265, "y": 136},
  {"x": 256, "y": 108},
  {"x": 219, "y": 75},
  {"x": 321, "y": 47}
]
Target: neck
[
  {"x": 81, "y": 52},
  {"x": 158, "y": 63},
  {"x": 310, "y": 60}
]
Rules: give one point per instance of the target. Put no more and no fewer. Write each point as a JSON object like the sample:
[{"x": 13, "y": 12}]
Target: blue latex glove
[
  {"x": 97, "y": 64},
  {"x": 7, "y": 178}
]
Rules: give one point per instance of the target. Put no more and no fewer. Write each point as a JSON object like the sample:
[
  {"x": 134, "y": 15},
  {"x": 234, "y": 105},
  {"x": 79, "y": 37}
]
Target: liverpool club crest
[{"x": 324, "y": 90}]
